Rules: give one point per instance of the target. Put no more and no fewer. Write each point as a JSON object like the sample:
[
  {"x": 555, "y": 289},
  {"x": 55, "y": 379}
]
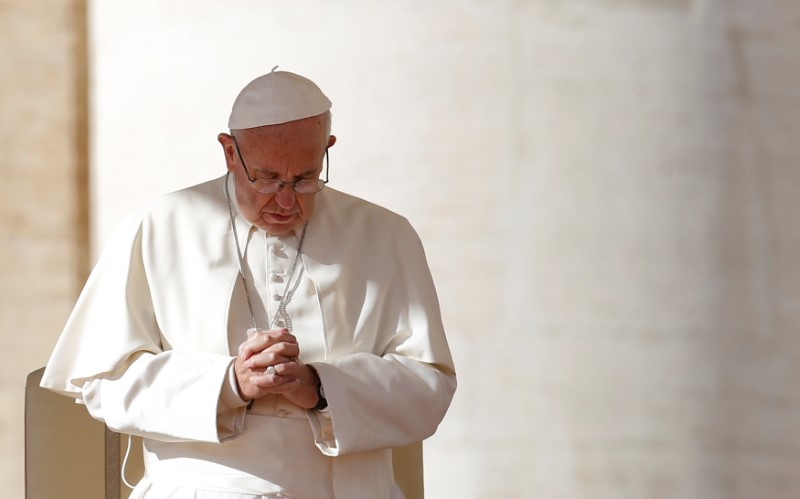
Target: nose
[{"x": 286, "y": 196}]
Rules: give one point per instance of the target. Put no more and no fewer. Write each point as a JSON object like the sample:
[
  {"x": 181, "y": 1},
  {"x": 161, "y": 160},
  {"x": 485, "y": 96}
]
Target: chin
[{"x": 278, "y": 229}]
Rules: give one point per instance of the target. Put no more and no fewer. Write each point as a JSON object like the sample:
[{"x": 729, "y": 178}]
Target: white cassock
[{"x": 150, "y": 344}]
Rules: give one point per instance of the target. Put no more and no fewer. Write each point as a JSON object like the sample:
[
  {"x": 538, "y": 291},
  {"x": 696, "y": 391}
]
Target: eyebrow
[{"x": 271, "y": 175}]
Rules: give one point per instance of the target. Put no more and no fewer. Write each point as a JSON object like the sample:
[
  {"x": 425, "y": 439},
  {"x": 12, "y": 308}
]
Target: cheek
[
  {"x": 250, "y": 202},
  {"x": 307, "y": 206}
]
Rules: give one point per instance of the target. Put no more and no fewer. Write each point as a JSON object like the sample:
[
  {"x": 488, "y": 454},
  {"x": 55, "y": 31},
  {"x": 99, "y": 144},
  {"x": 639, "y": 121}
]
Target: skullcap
[{"x": 277, "y": 97}]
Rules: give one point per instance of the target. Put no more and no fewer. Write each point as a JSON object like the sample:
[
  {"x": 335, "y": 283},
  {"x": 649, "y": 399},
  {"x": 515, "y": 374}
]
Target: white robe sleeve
[
  {"x": 111, "y": 356},
  {"x": 392, "y": 401},
  {"x": 398, "y": 395},
  {"x": 171, "y": 396}
]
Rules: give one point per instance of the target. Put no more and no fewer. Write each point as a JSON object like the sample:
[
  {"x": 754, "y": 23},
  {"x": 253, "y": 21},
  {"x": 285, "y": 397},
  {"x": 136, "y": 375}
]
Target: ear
[{"x": 229, "y": 149}]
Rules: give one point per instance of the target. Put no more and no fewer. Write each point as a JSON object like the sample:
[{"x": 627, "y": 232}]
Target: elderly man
[{"x": 266, "y": 336}]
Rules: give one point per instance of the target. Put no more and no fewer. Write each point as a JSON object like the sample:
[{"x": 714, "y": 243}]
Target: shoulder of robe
[{"x": 348, "y": 212}]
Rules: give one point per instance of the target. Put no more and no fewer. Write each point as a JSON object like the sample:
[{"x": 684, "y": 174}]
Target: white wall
[{"x": 605, "y": 191}]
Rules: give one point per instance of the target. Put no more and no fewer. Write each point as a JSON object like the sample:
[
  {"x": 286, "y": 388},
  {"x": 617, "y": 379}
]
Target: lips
[{"x": 278, "y": 218}]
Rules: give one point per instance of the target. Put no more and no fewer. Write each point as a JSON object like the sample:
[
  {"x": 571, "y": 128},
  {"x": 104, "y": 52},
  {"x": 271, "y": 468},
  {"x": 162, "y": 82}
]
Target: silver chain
[{"x": 287, "y": 292}]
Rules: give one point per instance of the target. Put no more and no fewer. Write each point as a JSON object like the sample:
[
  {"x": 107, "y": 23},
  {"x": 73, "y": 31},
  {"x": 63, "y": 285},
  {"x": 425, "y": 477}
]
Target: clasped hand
[{"x": 291, "y": 378}]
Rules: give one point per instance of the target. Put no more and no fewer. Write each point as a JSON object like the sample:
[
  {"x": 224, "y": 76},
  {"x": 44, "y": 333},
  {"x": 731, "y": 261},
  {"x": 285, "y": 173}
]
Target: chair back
[{"x": 65, "y": 448}]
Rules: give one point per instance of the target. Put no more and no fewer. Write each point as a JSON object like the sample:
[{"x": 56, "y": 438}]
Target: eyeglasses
[{"x": 273, "y": 185}]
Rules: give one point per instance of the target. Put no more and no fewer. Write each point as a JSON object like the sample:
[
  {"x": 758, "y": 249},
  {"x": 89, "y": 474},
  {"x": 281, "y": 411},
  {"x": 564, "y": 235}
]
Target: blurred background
[{"x": 607, "y": 191}]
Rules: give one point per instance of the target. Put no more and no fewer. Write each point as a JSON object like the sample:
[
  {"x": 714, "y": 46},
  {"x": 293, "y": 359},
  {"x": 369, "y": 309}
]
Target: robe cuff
[
  {"x": 229, "y": 394},
  {"x": 322, "y": 428},
  {"x": 231, "y": 408}
]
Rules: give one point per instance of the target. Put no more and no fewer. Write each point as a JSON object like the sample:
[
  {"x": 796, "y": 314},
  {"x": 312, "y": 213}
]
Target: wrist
[{"x": 322, "y": 402}]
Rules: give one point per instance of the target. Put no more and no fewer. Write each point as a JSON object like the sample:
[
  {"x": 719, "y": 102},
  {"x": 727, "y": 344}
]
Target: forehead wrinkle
[
  {"x": 285, "y": 150},
  {"x": 279, "y": 167},
  {"x": 272, "y": 174}
]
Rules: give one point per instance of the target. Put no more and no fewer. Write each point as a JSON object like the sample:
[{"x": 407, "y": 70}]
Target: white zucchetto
[{"x": 275, "y": 98}]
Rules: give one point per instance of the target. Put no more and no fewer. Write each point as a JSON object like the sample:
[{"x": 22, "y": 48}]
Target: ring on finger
[{"x": 271, "y": 370}]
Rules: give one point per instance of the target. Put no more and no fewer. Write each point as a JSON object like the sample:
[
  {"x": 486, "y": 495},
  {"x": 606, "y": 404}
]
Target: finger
[
  {"x": 260, "y": 340},
  {"x": 273, "y": 383},
  {"x": 255, "y": 384},
  {"x": 288, "y": 350},
  {"x": 255, "y": 343},
  {"x": 287, "y": 386},
  {"x": 275, "y": 354},
  {"x": 281, "y": 335},
  {"x": 263, "y": 360},
  {"x": 292, "y": 367},
  {"x": 247, "y": 380},
  {"x": 252, "y": 344}
]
